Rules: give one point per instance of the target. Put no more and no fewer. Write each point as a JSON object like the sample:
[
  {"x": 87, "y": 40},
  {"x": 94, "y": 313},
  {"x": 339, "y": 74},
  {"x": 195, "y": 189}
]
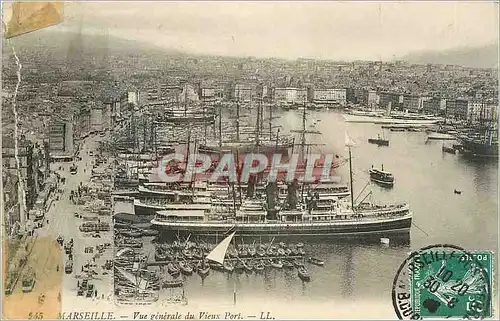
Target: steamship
[{"x": 315, "y": 216}]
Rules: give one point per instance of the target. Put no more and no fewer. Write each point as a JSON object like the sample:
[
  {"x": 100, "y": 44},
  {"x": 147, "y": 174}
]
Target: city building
[
  {"x": 32, "y": 167},
  {"x": 412, "y": 103},
  {"x": 372, "y": 98},
  {"x": 330, "y": 96},
  {"x": 211, "y": 94},
  {"x": 96, "y": 118},
  {"x": 479, "y": 111},
  {"x": 392, "y": 98},
  {"x": 11, "y": 206},
  {"x": 457, "y": 109},
  {"x": 243, "y": 92},
  {"x": 290, "y": 95},
  {"x": 432, "y": 106},
  {"x": 61, "y": 137}
]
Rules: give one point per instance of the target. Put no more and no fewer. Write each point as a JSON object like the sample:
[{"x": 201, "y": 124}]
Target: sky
[{"x": 326, "y": 30}]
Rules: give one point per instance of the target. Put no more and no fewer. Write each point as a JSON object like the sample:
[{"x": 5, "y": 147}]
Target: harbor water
[{"x": 425, "y": 177}]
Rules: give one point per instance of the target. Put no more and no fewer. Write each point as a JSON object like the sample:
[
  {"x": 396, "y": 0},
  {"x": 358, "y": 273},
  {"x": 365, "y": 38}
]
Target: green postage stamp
[{"x": 444, "y": 281}]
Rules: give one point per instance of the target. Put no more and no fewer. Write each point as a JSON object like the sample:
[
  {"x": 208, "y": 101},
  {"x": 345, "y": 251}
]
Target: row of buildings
[
  {"x": 22, "y": 188},
  {"x": 468, "y": 108}
]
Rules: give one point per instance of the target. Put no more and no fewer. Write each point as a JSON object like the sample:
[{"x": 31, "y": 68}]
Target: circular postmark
[{"x": 443, "y": 281}]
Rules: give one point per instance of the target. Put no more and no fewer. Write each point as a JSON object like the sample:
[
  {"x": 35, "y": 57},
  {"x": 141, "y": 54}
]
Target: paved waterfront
[{"x": 47, "y": 254}]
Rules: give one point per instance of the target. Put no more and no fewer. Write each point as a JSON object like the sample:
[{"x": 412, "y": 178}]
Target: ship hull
[
  {"x": 386, "y": 120},
  {"x": 146, "y": 210},
  {"x": 475, "y": 149},
  {"x": 349, "y": 229}
]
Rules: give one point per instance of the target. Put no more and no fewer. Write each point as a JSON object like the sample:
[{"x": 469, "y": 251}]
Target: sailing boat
[{"x": 218, "y": 254}]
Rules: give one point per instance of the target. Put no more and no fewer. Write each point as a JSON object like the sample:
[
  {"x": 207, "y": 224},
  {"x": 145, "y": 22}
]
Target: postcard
[{"x": 234, "y": 160}]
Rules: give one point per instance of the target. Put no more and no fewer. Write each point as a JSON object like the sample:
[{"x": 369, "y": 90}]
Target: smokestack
[
  {"x": 271, "y": 189},
  {"x": 251, "y": 186},
  {"x": 291, "y": 197}
]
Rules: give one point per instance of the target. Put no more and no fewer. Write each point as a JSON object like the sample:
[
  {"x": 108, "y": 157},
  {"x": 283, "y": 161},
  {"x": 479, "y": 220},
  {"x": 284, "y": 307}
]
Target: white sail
[{"x": 219, "y": 252}]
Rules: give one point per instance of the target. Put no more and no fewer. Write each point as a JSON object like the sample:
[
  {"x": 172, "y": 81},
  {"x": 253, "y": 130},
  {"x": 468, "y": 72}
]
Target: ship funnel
[
  {"x": 271, "y": 197},
  {"x": 291, "y": 197},
  {"x": 251, "y": 186}
]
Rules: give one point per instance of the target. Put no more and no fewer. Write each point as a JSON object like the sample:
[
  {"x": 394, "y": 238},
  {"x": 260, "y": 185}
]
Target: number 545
[{"x": 36, "y": 315}]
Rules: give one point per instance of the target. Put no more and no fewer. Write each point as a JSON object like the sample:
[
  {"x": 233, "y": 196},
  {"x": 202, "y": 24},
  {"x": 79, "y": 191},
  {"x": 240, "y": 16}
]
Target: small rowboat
[
  {"x": 248, "y": 266},
  {"x": 187, "y": 254},
  {"x": 228, "y": 266},
  {"x": 303, "y": 274},
  {"x": 259, "y": 267},
  {"x": 176, "y": 283},
  {"x": 316, "y": 261},
  {"x": 172, "y": 269},
  {"x": 298, "y": 263},
  {"x": 243, "y": 252},
  {"x": 276, "y": 264},
  {"x": 185, "y": 268},
  {"x": 204, "y": 271},
  {"x": 239, "y": 267},
  {"x": 287, "y": 264}
]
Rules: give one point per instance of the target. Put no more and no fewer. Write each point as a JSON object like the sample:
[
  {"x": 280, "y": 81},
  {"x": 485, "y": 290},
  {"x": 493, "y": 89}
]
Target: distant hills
[
  {"x": 64, "y": 43},
  {"x": 61, "y": 45},
  {"x": 473, "y": 57}
]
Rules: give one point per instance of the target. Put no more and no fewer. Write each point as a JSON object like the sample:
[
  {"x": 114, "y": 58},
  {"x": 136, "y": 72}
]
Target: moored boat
[
  {"x": 186, "y": 268},
  {"x": 298, "y": 263},
  {"x": 228, "y": 266},
  {"x": 173, "y": 283},
  {"x": 276, "y": 264},
  {"x": 258, "y": 267},
  {"x": 315, "y": 261},
  {"x": 287, "y": 264},
  {"x": 248, "y": 265},
  {"x": 173, "y": 269},
  {"x": 303, "y": 274},
  {"x": 203, "y": 270}
]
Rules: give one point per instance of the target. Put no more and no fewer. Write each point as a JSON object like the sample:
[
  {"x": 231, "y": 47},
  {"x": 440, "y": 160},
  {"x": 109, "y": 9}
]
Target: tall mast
[
  {"x": 193, "y": 178},
  {"x": 303, "y": 137},
  {"x": 257, "y": 127},
  {"x": 188, "y": 147},
  {"x": 205, "y": 124},
  {"x": 270, "y": 122},
  {"x": 238, "y": 116},
  {"x": 220, "y": 125},
  {"x": 261, "y": 110},
  {"x": 185, "y": 100},
  {"x": 350, "y": 177}
]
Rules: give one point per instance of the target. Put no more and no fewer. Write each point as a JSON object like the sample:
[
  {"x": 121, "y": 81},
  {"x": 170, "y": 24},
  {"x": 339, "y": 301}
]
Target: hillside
[
  {"x": 474, "y": 57},
  {"x": 60, "y": 44}
]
